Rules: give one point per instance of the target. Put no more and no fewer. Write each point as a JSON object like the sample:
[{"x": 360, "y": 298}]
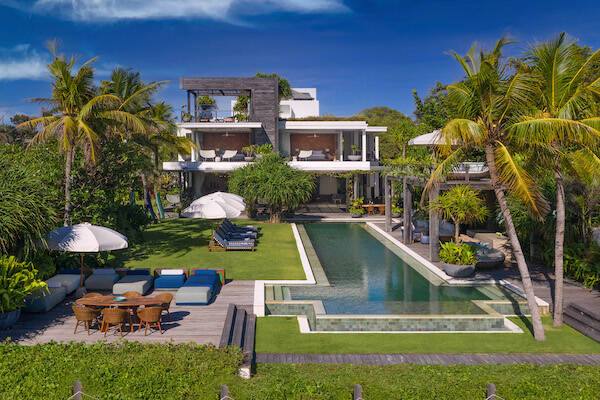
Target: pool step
[
  {"x": 287, "y": 294},
  {"x": 239, "y": 330},
  {"x": 278, "y": 293},
  {"x": 269, "y": 296}
]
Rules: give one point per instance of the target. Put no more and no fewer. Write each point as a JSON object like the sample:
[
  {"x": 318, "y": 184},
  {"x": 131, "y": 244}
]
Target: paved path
[
  {"x": 198, "y": 324},
  {"x": 443, "y": 359}
]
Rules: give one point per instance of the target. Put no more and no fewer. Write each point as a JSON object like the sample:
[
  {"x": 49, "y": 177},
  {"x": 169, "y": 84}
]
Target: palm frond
[
  {"x": 103, "y": 100},
  {"x": 150, "y": 88},
  {"x": 441, "y": 171},
  {"x": 128, "y": 120},
  {"x": 550, "y": 130}
]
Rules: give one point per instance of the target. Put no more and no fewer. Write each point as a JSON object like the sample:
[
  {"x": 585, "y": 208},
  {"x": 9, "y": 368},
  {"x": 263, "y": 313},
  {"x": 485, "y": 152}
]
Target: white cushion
[
  {"x": 53, "y": 284},
  {"x": 172, "y": 272},
  {"x": 104, "y": 271}
]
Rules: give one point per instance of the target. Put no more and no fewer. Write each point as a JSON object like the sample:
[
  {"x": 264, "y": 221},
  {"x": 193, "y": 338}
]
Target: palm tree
[
  {"x": 462, "y": 205},
  {"x": 79, "y": 114},
  {"x": 560, "y": 120},
  {"x": 483, "y": 104}
]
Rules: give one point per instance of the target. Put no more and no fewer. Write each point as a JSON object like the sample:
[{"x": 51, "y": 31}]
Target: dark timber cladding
[{"x": 264, "y": 99}]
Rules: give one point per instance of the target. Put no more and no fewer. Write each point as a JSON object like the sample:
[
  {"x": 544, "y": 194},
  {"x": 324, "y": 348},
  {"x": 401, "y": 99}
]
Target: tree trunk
[
  {"x": 531, "y": 245},
  {"x": 536, "y": 320},
  {"x": 144, "y": 191},
  {"x": 275, "y": 216},
  {"x": 68, "y": 167},
  {"x": 456, "y": 231},
  {"x": 558, "y": 248}
]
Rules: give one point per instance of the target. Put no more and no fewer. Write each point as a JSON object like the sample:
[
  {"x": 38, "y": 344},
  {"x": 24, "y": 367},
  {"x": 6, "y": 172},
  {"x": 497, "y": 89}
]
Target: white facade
[{"x": 303, "y": 104}]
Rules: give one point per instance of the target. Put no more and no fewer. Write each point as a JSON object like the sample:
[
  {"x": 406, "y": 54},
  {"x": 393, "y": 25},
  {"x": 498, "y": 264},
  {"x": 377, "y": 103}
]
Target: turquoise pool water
[{"x": 367, "y": 277}]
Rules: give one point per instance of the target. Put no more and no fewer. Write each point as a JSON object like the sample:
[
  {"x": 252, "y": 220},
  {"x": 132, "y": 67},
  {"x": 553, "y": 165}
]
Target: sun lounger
[
  {"x": 45, "y": 299},
  {"x": 235, "y": 235},
  {"x": 235, "y": 227},
  {"x": 199, "y": 289},
  {"x": 169, "y": 279},
  {"x": 233, "y": 244},
  {"x": 102, "y": 279},
  {"x": 67, "y": 278},
  {"x": 136, "y": 280}
]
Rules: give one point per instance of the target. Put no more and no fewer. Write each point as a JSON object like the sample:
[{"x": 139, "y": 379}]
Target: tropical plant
[
  {"x": 81, "y": 117},
  {"x": 206, "y": 100},
  {"x": 483, "y": 104},
  {"x": 272, "y": 181},
  {"x": 354, "y": 149},
  {"x": 264, "y": 149},
  {"x": 561, "y": 119},
  {"x": 457, "y": 254},
  {"x": 27, "y": 206},
  {"x": 462, "y": 205},
  {"x": 249, "y": 150},
  {"x": 396, "y": 209},
  {"x": 17, "y": 281},
  {"x": 356, "y": 207}
]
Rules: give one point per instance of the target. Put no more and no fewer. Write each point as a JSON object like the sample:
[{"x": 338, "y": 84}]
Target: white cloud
[
  {"x": 21, "y": 62},
  {"x": 222, "y": 10}
]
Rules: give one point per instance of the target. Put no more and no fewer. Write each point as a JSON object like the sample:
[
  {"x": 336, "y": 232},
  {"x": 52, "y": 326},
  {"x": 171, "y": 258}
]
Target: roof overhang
[
  {"x": 219, "y": 126},
  {"x": 323, "y": 125}
]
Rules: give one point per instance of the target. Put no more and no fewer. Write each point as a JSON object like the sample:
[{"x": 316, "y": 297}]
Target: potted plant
[
  {"x": 241, "y": 117},
  {"x": 17, "y": 281},
  {"x": 207, "y": 103},
  {"x": 356, "y": 209},
  {"x": 396, "y": 211},
  {"x": 249, "y": 152},
  {"x": 263, "y": 150},
  {"x": 458, "y": 260},
  {"x": 186, "y": 117},
  {"x": 355, "y": 156}
]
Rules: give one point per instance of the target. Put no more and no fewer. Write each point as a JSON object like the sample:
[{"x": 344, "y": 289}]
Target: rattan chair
[
  {"x": 114, "y": 316},
  {"x": 150, "y": 317},
  {"x": 86, "y": 315},
  {"x": 132, "y": 294},
  {"x": 166, "y": 299},
  {"x": 90, "y": 295}
]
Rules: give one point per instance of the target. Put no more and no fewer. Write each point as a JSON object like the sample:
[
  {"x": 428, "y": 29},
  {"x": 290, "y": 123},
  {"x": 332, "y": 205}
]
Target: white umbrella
[
  {"x": 430, "y": 139},
  {"x": 85, "y": 238},
  {"x": 214, "y": 210},
  {"x": 230, "y": 199}
]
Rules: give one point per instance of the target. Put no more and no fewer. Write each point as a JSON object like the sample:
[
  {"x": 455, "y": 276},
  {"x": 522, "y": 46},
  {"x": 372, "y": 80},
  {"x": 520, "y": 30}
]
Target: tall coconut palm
[
  {"x": 79, "y": 115},
  {"x": 559, "y": 120},
  {"x": 483, "y": 104}
]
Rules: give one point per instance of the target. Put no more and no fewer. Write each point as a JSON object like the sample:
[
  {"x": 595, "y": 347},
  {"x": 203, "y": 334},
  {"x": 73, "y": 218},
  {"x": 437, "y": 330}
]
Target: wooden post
[
  {"x": 434, "y": 227},
  {"x": 224, "y": 393},
  {"x": 355, "y": 187},
  {"x": 387, "y": 194},
  {"x": 189, "y": 108},
  {"x": 491, "y": 391},
  {"x": 77, "y": 390},
  {"x": 407, "y": 194},
  {"x": 357, "y": 392}
]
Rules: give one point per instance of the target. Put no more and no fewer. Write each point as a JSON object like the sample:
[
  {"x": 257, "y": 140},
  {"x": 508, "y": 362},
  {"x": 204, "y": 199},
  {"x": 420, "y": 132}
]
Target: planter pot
[
  {"x": 259, "y": 156},
  {"x": 356, "y": 215},
  {"x": 248, "y": 159},
  {"x": 7, "y": 320},
  {"x": 187, "y": 119},
  {"x": 354, "y": 157},
  {"x": 459, "y": 271},
  {"x": 396, "y": 215}
]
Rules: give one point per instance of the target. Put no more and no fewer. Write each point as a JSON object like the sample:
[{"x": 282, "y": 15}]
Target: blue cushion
[
  {"x": 169, "y": 281},
  {"x": 70, "y": 272},
  {"x": 138, "y": 272},
  {"x": 208, "y": 280},
  {"x": 205, "y": 272}
]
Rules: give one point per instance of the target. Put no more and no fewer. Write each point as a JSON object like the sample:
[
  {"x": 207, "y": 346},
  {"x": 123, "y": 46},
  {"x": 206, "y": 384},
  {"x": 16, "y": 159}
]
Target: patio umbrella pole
[{"x": 81, "y": 278}]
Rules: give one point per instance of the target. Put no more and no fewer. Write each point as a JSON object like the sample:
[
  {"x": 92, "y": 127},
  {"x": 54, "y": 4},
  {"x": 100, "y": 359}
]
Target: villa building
[{"x": 326, "y": 148}]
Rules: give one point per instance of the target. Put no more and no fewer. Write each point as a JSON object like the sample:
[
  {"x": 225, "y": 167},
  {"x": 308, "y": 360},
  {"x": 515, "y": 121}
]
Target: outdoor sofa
[
  {"x": 233, "y": 244},
  {"x": 199, "y": 289},
  {"x": 45, "y": 299},
  {"x": 67, "y": 278},
  {"x": 135, "y": 280},
  {"x": 169, "y": 279},
  {"x": 102, "y": 279}
]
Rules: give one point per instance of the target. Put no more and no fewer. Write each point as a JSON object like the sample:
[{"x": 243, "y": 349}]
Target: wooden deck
[{"x": 199, "y": 324}]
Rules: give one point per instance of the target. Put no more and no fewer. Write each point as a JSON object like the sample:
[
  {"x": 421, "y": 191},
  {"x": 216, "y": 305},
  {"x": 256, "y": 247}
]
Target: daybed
[
  {"x": 169, "y": 279},
  {"x": 102, "y": 279},
  {"x": 235, "y": 235},
  {"x": 45, "y": 299},
  {"x": 136, "y": 280},
  {"x": 68, "y": 278},
  {"x": 199, "y": 289},
  {"x": 232, "y": 244}
]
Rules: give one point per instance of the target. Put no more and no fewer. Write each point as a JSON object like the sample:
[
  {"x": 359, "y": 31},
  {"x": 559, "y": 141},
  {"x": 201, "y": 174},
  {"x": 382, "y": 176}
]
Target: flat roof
[{"x": 220, "y": 125}]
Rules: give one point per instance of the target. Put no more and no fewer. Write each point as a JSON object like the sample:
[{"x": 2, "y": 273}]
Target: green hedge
[{"x": 167, "y": 371}]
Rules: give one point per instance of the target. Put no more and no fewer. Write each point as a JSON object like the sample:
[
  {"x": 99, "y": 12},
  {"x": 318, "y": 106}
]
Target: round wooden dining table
[{"x": 131, "y": 302}]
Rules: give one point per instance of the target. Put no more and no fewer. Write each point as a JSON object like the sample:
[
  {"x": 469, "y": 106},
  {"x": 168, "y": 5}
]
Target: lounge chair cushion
[
  {"x": 138, "y": 272},
  {"x": 69, "y": 281},
  {"x": 193, "y": 295},
  {"x": 75, "y": 271},
  {"x": 101, "y": 280},
  {"x": 169, "y": 282},
  {"x": 172, "y": 272},
  {"x": 137, "y": 282},
  {"x": 43, "y": 300},
  {"x": 104, "y": 271},
  {"x": 207, "y": 278}
]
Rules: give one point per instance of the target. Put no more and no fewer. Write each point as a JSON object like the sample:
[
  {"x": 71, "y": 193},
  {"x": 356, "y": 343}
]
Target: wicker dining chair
[
  {"x": 91, "y": 295},
  {"x": 166, "y": 299},
  {"x": 132, "y": 293},
  {"x": 87, "y": 315},
  {"x": 114, "y": 316},
  {"x": 150, "y": 317}
]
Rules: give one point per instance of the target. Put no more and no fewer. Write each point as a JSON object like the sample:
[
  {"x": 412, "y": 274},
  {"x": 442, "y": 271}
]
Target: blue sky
[{"x": 357, "y": 54}]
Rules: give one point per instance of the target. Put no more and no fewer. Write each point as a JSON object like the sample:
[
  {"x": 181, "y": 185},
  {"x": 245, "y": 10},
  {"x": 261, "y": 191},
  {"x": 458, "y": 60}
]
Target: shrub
[
  {"x": 264, "y": 149},
  {"x": 356, "y": 207},
  {"x": 44, "y": 264},
  {"x": 17, "y": 281},
  {"x": 458, "y": 254}
]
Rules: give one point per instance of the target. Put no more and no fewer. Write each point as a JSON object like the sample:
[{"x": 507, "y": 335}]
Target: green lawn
[
  {"x": 281, "y": 335},
  {"x": 165, "y": 371},
  {"x": 183, "y": 243}
]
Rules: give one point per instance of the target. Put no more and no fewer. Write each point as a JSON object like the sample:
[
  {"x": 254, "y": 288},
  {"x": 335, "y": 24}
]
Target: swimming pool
[{"x": 373, "y": 285}]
